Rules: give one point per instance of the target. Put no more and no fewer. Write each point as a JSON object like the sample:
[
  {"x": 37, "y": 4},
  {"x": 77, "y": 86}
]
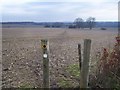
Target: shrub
[
  {"x": 47, "y": 26},
  {"x": 72, "y": 26},
  {"x": 108, "y": 71},
  {"x": 103, "y": 29}
]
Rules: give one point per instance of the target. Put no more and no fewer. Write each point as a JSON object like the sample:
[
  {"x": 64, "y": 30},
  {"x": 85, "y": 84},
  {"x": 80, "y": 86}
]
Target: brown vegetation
[{"x": 108, "y": 70}]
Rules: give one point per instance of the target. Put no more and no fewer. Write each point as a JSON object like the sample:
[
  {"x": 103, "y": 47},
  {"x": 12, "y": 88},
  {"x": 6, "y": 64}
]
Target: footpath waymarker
[{"x": 45, "y": 47}]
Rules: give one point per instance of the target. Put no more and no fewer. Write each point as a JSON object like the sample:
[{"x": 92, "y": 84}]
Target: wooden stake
[
  {"x": 85, "y": 64},
  {"x": 79, "y": 54},
  {"x": 45, "y": 46}
]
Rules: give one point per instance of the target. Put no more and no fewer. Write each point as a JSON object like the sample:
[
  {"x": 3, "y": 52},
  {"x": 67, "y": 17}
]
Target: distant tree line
[
  {"x": 80, "y": 23},
  {"x": 54, "y": 25}
]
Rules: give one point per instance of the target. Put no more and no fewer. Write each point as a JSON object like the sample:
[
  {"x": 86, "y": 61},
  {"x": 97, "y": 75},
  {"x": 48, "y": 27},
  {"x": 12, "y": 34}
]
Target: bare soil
[{"x": 22, "y": 54}]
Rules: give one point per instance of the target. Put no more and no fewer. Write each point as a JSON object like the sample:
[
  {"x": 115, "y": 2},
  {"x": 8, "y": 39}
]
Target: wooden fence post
[
  {"x": 85, "y": 64},
  {"x": 45, "y": 47},
  {"x": 79, "y": 54}
]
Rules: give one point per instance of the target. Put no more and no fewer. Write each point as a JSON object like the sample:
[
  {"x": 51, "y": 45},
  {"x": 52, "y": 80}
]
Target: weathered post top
[{"x": 44, "y": 44}]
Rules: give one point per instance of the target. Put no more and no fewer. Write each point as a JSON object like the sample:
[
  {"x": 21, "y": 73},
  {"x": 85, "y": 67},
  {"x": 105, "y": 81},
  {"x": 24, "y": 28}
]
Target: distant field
[
  {"x": 22, "y": 59},
  {"x": 51, "y": 32}
]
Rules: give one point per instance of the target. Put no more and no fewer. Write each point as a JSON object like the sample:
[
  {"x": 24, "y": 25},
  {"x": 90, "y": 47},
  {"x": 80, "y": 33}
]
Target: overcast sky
[{"x": 54, "y": 11}]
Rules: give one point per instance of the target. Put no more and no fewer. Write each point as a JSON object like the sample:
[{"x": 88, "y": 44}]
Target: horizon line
[{"x": 48, "y": 21}]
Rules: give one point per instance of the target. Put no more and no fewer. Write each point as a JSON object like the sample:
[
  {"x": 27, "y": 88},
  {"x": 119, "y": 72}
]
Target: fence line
[{"x": 83, "y": 64}]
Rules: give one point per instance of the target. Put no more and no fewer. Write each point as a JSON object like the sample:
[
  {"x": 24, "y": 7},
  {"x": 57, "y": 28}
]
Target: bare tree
[
  {"x": 90, "y": 22},
  {"x": 79, "y": 22}
]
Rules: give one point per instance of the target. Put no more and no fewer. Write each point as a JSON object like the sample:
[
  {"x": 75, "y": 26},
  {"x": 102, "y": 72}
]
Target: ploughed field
[{"x": 22, "y": 53}]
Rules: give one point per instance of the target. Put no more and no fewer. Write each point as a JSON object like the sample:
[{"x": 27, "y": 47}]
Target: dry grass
[{"x": 108, "y": 69}]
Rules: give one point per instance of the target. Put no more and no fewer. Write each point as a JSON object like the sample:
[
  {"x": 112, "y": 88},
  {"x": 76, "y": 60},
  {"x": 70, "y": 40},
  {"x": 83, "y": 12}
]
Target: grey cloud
[{"x": 56, "y": 11}]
